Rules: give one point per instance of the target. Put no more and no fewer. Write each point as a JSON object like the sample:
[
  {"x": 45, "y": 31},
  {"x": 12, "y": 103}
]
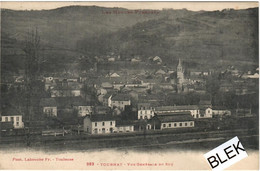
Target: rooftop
[
  {"x": 184, "y": 107},
  {"x": 102, "y": 117},
  {"x": 175, "y": 117},
  {"x": 121, "y": 97}
]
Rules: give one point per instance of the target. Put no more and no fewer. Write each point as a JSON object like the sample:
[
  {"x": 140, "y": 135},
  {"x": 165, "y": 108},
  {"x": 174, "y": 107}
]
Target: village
[{"x": 142, "y": 96}]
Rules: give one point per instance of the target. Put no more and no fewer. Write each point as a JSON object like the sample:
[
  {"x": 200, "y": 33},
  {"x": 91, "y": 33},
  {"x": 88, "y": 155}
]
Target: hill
[{"x": 206, "y": 37}]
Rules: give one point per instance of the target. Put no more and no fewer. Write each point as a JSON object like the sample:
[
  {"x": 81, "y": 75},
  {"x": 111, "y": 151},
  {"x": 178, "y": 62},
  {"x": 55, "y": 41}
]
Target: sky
[{"x": 193, "y": 6}]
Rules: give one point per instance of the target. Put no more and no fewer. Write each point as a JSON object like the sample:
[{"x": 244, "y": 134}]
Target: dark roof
[
  {"x": 120, "y": 97},
  {"x": 103, "y": 117},
  {"x": 219, "y": 108},
  {"x": 48, "y": 102},
  {"x": 175, "y": 117},
  {"x": 183, "y": 107},
  {"x": 10, "y": 111},
  {"x": 144, "y": 105},
  {"x": 124, "y": 123}
]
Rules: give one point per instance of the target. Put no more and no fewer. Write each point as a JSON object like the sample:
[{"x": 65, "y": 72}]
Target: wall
[
  {"x": 98, "y": 129},
  {"x": 167, "y": 124},
  {"x": 17, "y": 121},
  {"x": 50, "y": 111}
]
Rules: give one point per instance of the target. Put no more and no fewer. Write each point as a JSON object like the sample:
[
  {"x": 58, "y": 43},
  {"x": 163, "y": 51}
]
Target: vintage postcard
[{"x": 129, "y": 85}]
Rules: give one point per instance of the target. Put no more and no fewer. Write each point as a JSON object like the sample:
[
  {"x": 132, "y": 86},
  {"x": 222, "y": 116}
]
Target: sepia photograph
[{"x": 129, "y": 85}]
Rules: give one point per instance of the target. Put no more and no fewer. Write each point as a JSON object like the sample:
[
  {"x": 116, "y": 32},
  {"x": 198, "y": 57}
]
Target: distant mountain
[
  {"x": 207, "y": 37},
  {"x": 62, "y": 27},
  {"x": 70, "y": 32}
]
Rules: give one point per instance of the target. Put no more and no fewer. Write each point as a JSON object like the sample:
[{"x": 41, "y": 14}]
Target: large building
[
  {"x": 172, "y": 120},
  {"x": 104, "y": 124},
  {"x": 120, "y": 101},
  {"x": 15, "y": 119},
  {"x": 193, "y": 109},
  {"x": 145, "y": 111}
]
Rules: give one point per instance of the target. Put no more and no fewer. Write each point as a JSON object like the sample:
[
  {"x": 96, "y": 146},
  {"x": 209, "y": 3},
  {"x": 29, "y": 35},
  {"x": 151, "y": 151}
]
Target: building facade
[
  {"x": 16, "y": 120},
  {"x": 145, "y": 111}
]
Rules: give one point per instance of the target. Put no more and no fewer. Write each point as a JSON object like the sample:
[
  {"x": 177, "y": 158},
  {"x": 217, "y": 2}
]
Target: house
[
  {"x": 193, "y": 109},
  {"x": 124, "y": 126},
  {"x": 157, "y": 59},
  {"x": 99, "y": 124},
  {"x": 13, "y": 118},
  {"x": 220, "y": 111},
  {"x": 105, "y": 124},
  {"x": 48, "y": 107},
  {"x": 107, "y": 85},
  {"x": 74, "y": 104},
  {"x": 173, "y": 120},
  {"x": 160, "y": 72},
  {"x": 99, "y": 110},
  {"x": 119, "y": 101},
  {"x": 107, "y": 99},
  {"x": 145, "y": 111},
  {"x": 111, "y": 59}
]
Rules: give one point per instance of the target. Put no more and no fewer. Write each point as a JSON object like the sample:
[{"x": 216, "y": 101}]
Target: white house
[
  {"x": 48, "y": 107},
  {"x": 214, "y": 111},
  {"x": 145, "y": 111},
  {"x": 99, "y": 124},
  {"x": 119, "y": 101},
  {"x": 105, "y": 124},
  {"x": 17, "y": 120}
]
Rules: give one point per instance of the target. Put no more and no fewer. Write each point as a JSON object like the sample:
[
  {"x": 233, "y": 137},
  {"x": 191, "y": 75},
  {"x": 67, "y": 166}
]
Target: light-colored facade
[
  {"x": 50, "y": 111},
  {"x": 97, "y": 124},
  {"x": 145, "y": 111},
  {"x": 124, "y": 128},
  {"x": 84, "y": 110},
  {"x": 99, "y": 127},
  {"x": 185, "y": 124},
  {"x": 119, "y": 101},
  {"x": 209, "y": 112},
  {"x": 16, "y": 119}
]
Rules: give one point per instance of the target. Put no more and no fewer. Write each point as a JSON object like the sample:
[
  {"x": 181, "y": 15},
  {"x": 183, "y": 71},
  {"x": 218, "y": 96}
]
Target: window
[
  {"x": 186, "y": 124},
  {"x": 95, "y": 124},
  {"x": 17, "y": 123},
  {"x": 175, "y": 124},
  {"x": 180, "y": 124},
  {"x": 191, "y": 124},
  {"x": 111, "y": 123},
  {"x": 164, "y": 125},
  {"x": 17, "y": 118},
  {"x": 208, "y": 111},
  {"x": 141, "y": 117},
  {"x": 170, "y": 125},
  {"x": 141, "y": 112},
  {"x": 103, "y": 123},
  {"x": 12, "y": 119},
  {"x": 6, "y": 119}
]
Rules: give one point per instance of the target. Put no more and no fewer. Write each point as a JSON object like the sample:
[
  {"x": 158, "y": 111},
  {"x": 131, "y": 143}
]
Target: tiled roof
[
  {"x": 104, "y": 117},
  {"x": 121, "y": 97},
  {"x": 175, "y": 117}
]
